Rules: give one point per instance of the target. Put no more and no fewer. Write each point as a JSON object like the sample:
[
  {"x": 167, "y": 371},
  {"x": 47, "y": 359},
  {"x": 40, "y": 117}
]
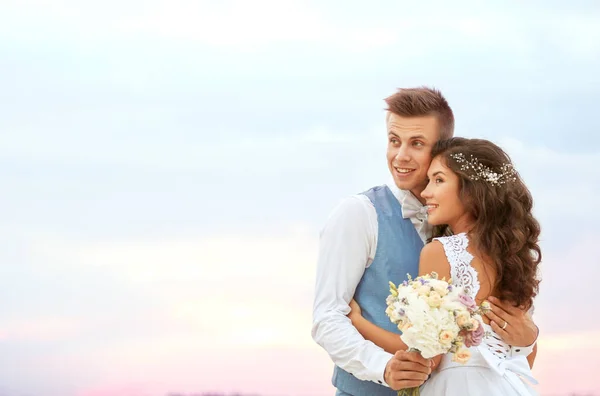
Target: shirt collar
[{"x": 403, "y": 196}]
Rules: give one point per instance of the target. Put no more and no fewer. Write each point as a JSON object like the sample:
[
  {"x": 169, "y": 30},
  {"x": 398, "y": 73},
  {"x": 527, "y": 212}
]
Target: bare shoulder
[
  {"x": 433, "y": 250},
  {"x": 433, "y": 259}
]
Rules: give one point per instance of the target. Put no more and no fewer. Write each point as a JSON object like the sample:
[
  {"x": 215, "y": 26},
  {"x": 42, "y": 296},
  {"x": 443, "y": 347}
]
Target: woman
[{"x": 475, "y": 196}]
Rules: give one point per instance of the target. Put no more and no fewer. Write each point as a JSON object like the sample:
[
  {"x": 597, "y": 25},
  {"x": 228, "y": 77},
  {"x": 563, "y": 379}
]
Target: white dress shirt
[{"x": 348, "y": 242}]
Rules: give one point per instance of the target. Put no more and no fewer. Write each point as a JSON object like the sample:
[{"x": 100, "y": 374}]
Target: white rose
[
  {"x": 463, "y": 320},
  {"x": 441, "y": 288},
  {"x": 394, "y": 313},
  {"x": 446, "y": 337},
  {"x": 424, "y": 290},
  {"x": 450, "y": 304},
  {"x": 427, "y": 342},
  {"x": 434, "y": 300}
]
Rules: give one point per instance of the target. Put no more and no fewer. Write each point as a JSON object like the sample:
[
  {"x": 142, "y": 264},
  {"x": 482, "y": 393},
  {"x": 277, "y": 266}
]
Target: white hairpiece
[{"x": 481, "y": 172}]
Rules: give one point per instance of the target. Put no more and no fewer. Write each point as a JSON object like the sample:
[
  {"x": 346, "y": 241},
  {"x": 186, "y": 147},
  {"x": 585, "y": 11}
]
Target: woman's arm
[
  {"x": 390, "y": 342},
  {"x": 387, "y": 340},
  {"x": 432, "y": 258}
]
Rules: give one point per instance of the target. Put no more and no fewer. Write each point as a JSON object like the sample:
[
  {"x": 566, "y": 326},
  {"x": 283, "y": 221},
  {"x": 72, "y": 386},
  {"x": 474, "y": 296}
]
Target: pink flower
[
  {"x": 474, "y": 338},
  {"x": 467, "y": 301}
]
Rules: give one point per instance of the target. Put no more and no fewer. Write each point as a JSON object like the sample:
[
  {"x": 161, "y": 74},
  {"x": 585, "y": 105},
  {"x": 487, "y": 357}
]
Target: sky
[{"x": 167, "y": 167}]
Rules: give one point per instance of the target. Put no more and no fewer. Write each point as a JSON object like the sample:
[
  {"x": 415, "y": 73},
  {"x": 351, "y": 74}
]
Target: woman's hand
[
  {"x": 355, "y": 311},
  {"x": 512, "y": 324}
]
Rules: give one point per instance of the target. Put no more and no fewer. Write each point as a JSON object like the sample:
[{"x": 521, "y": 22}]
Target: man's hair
[{"x": 423, "y": 101}]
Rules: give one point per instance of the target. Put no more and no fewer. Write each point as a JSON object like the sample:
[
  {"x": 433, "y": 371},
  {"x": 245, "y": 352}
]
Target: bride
[{"x": 479, "y": 202}]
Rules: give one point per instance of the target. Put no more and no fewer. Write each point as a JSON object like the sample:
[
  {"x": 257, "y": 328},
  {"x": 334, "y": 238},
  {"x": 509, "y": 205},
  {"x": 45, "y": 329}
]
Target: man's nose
[{"x": 402, "y": 154}]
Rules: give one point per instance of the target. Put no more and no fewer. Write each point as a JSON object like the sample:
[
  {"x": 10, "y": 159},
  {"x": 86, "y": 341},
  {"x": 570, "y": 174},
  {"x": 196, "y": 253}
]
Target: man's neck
[
  {"x": 416, "y": 192},
  {"x": 398, "y": 192}
]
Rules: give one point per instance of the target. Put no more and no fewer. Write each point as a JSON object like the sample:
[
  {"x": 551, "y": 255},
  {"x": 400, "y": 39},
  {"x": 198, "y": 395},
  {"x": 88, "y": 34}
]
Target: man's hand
[
  {"x": 407, "y": 370},
  {"x": 512, "y": 324}
]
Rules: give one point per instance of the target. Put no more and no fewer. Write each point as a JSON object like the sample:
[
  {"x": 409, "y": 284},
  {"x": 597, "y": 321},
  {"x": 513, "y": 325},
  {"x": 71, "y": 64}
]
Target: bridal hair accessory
[{"x": 507, "y": 172}]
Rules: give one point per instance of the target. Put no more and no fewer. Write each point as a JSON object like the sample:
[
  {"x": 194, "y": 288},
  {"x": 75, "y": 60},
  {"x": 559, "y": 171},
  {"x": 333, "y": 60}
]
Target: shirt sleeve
[
  {"x": 525, "y": 351},
  {"x": 344, "y": 253}
]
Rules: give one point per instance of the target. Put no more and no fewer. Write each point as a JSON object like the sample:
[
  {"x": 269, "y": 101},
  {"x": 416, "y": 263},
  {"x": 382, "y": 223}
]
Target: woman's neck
[{"x": 462, "y": 224}]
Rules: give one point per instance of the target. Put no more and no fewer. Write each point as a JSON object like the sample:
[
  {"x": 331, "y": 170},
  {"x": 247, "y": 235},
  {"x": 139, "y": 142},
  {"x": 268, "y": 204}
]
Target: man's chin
[{"x": 404, "y": 184}]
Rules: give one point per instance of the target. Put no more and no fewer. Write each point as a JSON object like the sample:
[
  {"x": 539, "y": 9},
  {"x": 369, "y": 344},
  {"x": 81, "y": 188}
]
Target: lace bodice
[
  {"x": 464, "y": 275},
  {"x": 461, "y": 271}
]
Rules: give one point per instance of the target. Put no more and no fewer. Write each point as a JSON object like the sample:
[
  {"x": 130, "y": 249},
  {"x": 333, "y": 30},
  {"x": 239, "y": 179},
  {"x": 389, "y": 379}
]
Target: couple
[{"x": 454, "y": 206}]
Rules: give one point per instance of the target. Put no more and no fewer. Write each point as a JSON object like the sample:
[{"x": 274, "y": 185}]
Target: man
[{"x": 376, "y": 236}]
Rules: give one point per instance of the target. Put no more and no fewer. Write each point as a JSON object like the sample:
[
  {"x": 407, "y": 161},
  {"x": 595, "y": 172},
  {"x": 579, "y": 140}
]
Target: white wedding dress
[{"x": 490, "y": 371}]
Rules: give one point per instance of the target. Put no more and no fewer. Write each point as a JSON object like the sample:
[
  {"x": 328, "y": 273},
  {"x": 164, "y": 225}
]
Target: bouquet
[{"x": 435, "y": 317}]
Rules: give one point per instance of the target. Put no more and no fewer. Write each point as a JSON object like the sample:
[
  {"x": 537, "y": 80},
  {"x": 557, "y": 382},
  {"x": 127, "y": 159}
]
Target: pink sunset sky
[{"x": 167, "y": 167}]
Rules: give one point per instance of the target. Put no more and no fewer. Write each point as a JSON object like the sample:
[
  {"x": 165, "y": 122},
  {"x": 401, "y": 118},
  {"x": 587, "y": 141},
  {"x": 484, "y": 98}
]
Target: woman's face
[{"x": 442, "y": 197}]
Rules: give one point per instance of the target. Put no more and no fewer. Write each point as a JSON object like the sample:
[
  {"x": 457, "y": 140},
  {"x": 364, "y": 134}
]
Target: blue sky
[{"x": 155, "y": 153}]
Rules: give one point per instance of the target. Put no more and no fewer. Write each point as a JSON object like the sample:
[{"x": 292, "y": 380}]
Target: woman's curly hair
[{"x": 505, "y": 230}]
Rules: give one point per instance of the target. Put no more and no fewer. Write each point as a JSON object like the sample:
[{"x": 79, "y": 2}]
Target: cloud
[
  {"x": 119, "y": 390},
  {"x": 235, "y": 24},
  {"x": 208, "y": 284},
  {"x": 567, "y": 355},
  {"x": 164, "y": 308},
  {"x": 40, "y": 329},
  {"x": 569, "y": 272},
  {"x": 562, "y": 184},
  {"x": 576, "y": 340},
  {"x": 241, "y": 25}
]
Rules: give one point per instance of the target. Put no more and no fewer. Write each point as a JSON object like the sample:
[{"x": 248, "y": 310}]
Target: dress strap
[{"x": 461, "y": 271}]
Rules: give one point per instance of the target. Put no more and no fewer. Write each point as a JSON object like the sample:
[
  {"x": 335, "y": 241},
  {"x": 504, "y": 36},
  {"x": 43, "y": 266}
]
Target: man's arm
[{"x": 344, "y": 249}]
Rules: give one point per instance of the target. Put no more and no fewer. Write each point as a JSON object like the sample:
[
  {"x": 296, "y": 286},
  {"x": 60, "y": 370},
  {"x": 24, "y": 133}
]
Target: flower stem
[{"x": 409, "y": 392}]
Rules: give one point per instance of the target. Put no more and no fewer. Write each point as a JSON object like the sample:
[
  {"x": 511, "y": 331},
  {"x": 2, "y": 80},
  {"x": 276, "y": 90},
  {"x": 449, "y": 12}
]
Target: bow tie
[
  {"x": 411, "y": 210},
  {"x": 414, "y": 210}
]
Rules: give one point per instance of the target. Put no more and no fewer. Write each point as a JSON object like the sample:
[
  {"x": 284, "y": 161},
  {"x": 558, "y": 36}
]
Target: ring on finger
[{"x": 505, "y": 324}]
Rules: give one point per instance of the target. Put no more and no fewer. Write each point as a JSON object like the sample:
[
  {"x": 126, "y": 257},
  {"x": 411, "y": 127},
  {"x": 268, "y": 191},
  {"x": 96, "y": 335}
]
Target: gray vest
[{"x": 397, "y": 254}]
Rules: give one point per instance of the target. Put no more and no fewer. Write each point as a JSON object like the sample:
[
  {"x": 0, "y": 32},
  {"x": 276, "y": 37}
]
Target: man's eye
[{"x": 418, "y": 143}]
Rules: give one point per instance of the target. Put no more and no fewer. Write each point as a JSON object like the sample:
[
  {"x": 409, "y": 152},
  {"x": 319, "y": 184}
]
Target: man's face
[{"x": 410, "y": 140}]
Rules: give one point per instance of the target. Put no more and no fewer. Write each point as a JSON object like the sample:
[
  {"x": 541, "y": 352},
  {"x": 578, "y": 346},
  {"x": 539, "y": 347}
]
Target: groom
[{"x": 376, "y": 236}]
